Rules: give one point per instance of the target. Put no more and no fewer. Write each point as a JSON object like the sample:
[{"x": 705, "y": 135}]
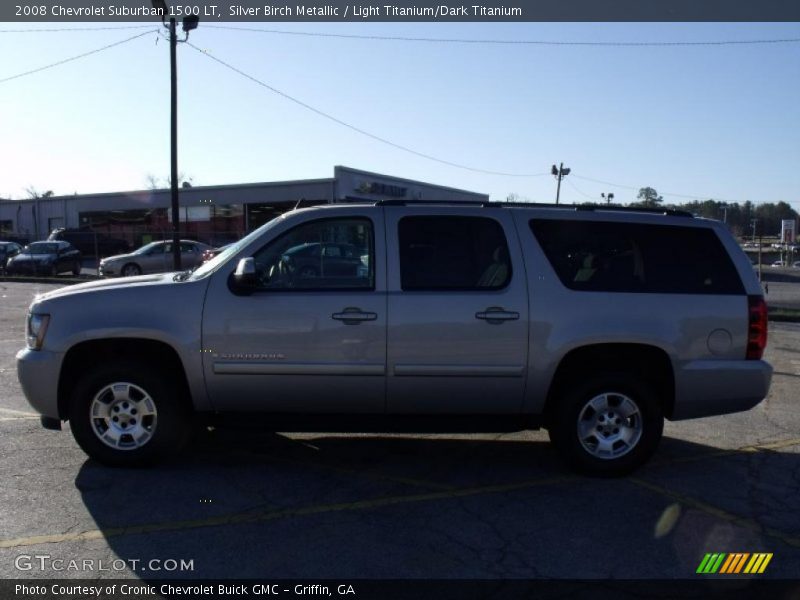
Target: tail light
[{"x": 757, "y": 327}]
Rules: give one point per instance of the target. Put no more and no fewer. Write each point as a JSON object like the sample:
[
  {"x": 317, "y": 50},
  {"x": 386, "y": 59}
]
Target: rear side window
[
  {"x": 453, "y": 253},
  {"x": 635, "y": 257}
]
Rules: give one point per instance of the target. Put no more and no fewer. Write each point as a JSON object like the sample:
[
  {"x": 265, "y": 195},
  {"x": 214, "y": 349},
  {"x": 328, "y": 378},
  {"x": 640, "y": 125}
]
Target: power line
[
  {"x": 358, "y": 129},
  {"x": 581, "y": 192},
  {"x": 70, "y": 59},
  {"x": 694, "y": 197},
  {"x": 390, "y": 38},
  {"x": 69, "y": 29}
]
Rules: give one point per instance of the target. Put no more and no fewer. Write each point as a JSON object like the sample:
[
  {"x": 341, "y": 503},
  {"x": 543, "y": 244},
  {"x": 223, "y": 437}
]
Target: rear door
[{"x": 458, "y": 320}]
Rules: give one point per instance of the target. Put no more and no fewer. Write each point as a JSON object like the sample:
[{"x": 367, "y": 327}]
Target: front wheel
[
  {"x": 607, "y": 425},
  {"x": 127, "y": 414},
  {"x": 131, "y": 270}
]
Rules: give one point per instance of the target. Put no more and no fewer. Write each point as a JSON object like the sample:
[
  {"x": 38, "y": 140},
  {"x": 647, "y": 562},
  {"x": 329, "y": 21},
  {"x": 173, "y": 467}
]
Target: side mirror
[{"x": 244, "y": 277}]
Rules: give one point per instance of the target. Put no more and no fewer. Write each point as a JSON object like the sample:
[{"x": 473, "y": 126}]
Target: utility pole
[
  {"x": 189, "y": 23},
  {"x": 173, "y": 127},
  {"x": 559, "y": 173}
]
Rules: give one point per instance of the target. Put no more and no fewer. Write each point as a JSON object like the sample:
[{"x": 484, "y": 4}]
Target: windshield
[
  {"x": 41, "y": 248},
  {"x": 231, "y": 250},
  {"x": 146, "y": 248}
]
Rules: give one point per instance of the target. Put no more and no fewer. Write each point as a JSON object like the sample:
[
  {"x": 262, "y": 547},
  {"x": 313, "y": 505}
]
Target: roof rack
[{"x": 670, "y": 212}]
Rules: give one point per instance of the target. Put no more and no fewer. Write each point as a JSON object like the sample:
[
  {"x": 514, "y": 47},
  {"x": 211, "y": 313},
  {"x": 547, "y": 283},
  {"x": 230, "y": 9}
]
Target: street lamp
[
  {"x": 189, "y": 23},
  {"x": 559, "y": 173}
]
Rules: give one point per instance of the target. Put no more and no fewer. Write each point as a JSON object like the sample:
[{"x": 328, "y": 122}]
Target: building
[{"x": 213, "y": 214}]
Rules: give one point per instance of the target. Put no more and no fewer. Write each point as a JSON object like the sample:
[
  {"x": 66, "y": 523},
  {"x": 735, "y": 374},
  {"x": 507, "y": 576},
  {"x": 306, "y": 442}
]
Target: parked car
[
  {"x": 594, "y": 323},
  {"x": 50, "y": 258},
  {"x": 796, "y": 264},
  {"x": 89, "y": 242},
  {"x": 155, "y": 257},
  {"x": 7, "y": 251},
  {"x": 212, "y": 252},
  {"x": 314, "y": 259},
  {"x": 778, "y": 263}
]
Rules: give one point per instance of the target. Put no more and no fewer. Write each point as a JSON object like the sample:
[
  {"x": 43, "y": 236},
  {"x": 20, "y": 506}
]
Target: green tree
[{"x": 649, "y": 197}]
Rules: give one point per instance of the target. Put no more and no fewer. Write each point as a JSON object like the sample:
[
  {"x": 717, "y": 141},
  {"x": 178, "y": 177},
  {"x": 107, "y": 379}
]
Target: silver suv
[{"x": 595, "y": 323}]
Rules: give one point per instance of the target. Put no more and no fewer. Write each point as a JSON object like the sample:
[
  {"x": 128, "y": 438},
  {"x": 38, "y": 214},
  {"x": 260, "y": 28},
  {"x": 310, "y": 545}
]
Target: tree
[
  {"x": 33, "y": 193},
  {"x": 649, "y": 197},
  {"x": 156, "y": 183}
]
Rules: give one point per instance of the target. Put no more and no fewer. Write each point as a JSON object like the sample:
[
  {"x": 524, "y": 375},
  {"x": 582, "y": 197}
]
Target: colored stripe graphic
[
  {"x": 733, "y": 563},
  {"x": 737, "y": 561},
  {"x": 758, "y": 563},
  {"x": 703, "y": 563},
  {"x": 711, "y": 563}
]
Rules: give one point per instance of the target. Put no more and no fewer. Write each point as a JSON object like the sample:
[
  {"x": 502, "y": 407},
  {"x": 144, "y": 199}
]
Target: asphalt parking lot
[{"x": 254, "y": 505}]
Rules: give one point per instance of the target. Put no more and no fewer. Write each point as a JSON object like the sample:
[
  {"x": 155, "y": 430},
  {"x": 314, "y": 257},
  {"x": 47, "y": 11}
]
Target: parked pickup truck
[{"x": 595, "y": 323}]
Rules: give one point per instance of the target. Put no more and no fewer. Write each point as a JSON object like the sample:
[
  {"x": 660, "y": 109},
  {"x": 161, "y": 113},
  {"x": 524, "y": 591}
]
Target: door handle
[
  {"x": 354, "y": 316},
  {"x": 496, "y": 315}
]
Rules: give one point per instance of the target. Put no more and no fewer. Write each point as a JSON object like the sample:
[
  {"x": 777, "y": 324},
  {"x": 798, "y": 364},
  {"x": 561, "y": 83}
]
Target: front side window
[
  {"x": 453, "y": 253},
  {"x": 311, "y": 257}
]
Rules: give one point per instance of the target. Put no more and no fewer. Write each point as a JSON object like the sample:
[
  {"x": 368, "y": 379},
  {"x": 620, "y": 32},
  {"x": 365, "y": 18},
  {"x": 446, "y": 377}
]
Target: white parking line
[{"x": 18, "y": 413}]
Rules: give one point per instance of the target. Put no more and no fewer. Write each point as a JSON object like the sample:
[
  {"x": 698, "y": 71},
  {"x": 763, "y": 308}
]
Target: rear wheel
[
  {"x": 54, "y": 271},
  {"x": 128, "y": 414},
  {"x": 76, "y": 269},
  {"x": 608, "y": 425}
]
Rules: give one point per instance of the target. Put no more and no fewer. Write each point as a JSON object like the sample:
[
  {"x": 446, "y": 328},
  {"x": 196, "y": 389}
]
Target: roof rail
[
  {"x": 670, "y": 212},
  {"x": 399, "y": 202}
]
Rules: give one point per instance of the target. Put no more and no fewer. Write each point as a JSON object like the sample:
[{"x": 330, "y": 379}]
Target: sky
[{"x": 719, "y": 122}]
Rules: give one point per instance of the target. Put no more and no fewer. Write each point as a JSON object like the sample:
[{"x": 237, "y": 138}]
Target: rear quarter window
[{"x": 636, "y": 257}]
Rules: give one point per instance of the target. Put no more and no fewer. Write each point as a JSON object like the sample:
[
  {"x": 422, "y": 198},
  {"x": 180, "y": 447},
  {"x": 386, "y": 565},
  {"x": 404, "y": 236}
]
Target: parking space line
[
  {"x": 261, "y": 517},
  {"x": 367, "y": 474},
  {"x": 717, "y": 512},
  {"x": 264, "y": 516},
  {"x": 22, "y": 413},
  {"x": 31, "y": 418}
]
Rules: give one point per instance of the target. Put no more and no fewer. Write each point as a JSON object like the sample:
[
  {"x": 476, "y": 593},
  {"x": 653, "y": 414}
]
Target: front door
[{"x": 312, "y": 336}]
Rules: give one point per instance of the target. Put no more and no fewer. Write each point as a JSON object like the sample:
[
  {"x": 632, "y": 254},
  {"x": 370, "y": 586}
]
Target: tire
[
  {"x": 130, "y": 270},
  {"x": 607, "y": 442},
  {"x": 54, "y": 271},
  {"x": 76, "y": 269},
  {"x": 152, "y": 419}
]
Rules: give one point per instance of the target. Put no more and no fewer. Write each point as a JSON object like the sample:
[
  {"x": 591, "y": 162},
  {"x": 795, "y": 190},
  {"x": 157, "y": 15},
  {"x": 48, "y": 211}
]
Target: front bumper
[
  {"x": 107, "y": 270},
  {"x": 38, "y": 372},
  {"x": 705, "y": 388}
]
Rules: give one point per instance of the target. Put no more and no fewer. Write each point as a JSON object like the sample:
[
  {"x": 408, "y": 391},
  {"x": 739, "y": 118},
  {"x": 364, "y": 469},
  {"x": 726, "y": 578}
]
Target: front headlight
[{"x": 37, "y": 328}]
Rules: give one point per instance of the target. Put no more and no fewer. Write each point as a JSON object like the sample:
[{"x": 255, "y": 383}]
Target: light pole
[
  {"x": 559, "y": 173},
  {"x": 609, "y": 197},
  {"x": 189, "y": 23}
]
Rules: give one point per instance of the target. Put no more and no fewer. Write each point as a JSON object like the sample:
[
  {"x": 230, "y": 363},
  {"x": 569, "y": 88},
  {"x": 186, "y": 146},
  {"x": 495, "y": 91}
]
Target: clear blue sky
[{"x": 709, "y": 121}]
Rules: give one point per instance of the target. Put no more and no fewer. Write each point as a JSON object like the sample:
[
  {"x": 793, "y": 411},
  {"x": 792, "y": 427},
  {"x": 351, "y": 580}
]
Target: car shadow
[{"x": 243, "y": 504}]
